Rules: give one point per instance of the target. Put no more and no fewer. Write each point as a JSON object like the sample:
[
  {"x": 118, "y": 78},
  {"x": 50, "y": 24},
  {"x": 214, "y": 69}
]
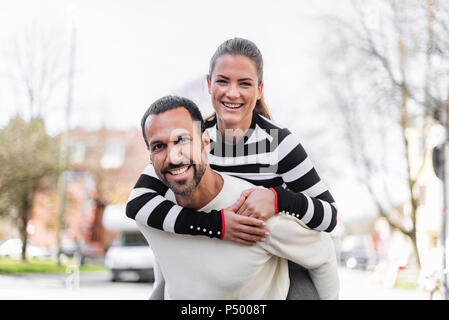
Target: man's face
[{"x": 178, "y": 150}]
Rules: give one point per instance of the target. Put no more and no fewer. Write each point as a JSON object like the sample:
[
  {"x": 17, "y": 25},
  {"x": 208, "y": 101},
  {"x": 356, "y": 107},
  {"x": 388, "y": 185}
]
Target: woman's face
[{"x": 234, "y": 90}]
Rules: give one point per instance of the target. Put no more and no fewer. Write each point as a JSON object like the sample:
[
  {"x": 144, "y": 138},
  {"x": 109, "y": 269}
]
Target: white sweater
[{"x": 202, "y": 268}]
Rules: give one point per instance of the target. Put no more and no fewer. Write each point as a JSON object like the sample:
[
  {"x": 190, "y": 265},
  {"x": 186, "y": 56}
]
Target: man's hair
[{"x": 168, "y": 103}]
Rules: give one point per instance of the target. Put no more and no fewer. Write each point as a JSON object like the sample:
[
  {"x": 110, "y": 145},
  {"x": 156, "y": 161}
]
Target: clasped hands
[{"x": 245, "y": 219}]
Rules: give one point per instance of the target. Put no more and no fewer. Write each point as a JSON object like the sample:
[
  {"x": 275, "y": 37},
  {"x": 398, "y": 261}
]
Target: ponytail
[{"x": 261, "y": 108}]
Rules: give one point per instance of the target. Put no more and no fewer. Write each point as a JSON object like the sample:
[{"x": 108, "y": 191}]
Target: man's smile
[{"x": 179, "y": 172}]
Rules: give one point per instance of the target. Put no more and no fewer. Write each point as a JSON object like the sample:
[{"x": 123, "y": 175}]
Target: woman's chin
[{"x": 232, "y": 120}]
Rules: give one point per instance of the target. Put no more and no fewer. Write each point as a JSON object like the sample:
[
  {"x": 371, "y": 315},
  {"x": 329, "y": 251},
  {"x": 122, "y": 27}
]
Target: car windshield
[{"x": 133, "y": 239}]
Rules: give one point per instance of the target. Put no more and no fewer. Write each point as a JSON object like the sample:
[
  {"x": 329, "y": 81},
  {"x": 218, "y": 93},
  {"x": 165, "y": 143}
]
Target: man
[{"x": 202, "y": 268}]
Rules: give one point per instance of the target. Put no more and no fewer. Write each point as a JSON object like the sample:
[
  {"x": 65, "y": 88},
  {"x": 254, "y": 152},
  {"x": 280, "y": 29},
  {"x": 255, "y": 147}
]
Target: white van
[{"x": 129, "y": 257}]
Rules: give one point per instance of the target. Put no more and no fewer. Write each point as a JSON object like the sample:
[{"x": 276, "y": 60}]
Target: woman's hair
[{"x": 243, "y": 47}]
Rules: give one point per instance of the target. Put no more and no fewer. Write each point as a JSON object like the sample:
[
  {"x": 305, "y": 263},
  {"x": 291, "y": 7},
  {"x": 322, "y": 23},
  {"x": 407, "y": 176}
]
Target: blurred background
[{"x": 365, "y": 85}]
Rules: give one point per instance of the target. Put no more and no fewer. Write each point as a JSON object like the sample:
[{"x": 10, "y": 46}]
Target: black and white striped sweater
[{"x": 267, "y": 155}]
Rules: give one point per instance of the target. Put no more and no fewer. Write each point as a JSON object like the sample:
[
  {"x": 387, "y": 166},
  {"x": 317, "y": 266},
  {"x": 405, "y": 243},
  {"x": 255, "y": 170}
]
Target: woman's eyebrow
[
  {"x": 222, "y": 76},
  {"x": 241, "y": 79}
]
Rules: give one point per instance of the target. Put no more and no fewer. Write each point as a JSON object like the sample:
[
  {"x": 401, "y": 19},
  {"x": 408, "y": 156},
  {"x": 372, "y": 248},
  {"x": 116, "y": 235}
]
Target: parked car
[
  {"x": 13, "y": 248},
  {"x": 129, "y": 257}
]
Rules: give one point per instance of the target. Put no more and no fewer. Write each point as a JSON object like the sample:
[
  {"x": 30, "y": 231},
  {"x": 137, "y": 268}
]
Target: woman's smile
[{"x": 232, "y": 106}]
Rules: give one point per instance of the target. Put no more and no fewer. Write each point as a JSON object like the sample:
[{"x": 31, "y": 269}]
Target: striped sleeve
[
  {"x": 147, "y": 205},
  {"x": 306, "y": 196}
]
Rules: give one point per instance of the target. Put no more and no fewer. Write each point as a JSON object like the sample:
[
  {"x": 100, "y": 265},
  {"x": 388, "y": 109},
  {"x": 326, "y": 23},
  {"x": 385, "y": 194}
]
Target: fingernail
[
  {"x": 267, "y": 233},
  {"x": 263, "y": 239}
]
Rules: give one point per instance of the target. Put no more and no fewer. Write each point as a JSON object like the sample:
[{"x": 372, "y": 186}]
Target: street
[
  {"x": 354, "y": 285},
  {"x": 92, "y": 286}
]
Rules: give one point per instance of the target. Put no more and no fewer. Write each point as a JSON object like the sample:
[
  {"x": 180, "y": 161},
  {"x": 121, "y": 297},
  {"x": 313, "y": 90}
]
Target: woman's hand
[
  {"x": 259, "y": 204},
  {"x": 241, "y": 229}
]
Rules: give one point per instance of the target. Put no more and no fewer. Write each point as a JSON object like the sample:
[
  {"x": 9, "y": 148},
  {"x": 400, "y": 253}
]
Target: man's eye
[
  {"x": 221, "y": 81},
  {"x": 157, "y": 147},
  {"x": 246, "y": 84}
]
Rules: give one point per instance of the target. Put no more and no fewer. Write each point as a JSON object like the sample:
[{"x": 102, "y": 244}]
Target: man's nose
[{"x": 175, "y": 155}]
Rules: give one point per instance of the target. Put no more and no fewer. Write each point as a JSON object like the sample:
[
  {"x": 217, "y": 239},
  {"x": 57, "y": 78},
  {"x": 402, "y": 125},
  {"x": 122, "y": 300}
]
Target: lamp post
[{"x": 66, "y": 135}]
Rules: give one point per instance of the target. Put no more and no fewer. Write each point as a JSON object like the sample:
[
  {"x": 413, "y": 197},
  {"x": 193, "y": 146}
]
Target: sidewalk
[{"x": 365, "y": 285}]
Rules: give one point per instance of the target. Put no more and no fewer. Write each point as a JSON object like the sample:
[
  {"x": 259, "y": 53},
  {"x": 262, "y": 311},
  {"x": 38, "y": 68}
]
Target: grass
[
  {"x": 15, "y": 266},
  {"x": 407, "y": 281}
]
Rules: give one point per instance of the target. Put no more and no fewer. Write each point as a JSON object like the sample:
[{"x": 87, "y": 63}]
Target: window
[{"x": 114, "y": 155}]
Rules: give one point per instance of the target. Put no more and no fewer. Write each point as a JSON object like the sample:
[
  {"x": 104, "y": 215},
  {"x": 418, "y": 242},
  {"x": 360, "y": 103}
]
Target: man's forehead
[{"x": 169, "y": 124}]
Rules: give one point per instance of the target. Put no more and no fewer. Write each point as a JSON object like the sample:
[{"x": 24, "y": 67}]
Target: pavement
[
  {"x": 89, "y": 286},
  {"x": 366, "y": 285},
  {"x": 354, "y": 285}
]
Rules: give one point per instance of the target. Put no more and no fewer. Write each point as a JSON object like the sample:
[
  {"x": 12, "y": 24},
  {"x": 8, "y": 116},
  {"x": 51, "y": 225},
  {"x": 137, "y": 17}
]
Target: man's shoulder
[
  {"x": 229, "y": 194},
  {"x": 234, "y": 185},
  {"x": 236, "y": 182}
]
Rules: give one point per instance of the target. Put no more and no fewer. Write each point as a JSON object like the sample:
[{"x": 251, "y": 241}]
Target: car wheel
[{"x": 115, "y": 276}]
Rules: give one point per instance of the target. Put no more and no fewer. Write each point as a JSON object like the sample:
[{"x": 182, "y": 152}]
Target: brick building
[{"x": 104, "y": 166}]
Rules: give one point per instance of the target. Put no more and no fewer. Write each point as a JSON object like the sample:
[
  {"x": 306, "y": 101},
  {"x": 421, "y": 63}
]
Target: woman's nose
[{"x": 233, "y": 91}]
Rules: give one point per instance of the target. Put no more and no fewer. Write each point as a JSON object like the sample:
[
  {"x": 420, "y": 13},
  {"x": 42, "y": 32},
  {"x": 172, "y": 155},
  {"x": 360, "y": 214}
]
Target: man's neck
[{"x": 210, "y": 185}]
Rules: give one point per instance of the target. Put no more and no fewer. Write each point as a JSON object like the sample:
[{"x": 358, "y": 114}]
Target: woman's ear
[
  {"x": 260, "y": 91},
  {"x": 206, "y": 140}
]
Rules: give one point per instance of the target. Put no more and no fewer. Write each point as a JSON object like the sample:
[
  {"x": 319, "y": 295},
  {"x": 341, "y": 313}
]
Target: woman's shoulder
[{"x": 273, "y": 128}]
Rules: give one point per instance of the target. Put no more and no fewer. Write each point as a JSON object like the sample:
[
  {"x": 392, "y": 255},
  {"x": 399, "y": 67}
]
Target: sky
[{"x": 129, "y": 53}]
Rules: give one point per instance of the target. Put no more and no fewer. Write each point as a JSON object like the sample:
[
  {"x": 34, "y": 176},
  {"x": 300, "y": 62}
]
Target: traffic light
[{"x": 438, "y": 161}]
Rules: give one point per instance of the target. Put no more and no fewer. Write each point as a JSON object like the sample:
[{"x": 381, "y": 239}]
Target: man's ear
[{"x": 206, "y": 140}]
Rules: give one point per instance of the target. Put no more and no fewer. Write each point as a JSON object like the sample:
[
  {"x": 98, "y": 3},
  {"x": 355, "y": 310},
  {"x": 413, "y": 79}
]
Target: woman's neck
[{"x": 233, "y": 133}]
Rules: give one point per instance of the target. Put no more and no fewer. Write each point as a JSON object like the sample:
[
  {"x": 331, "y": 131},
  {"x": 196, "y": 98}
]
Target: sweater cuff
[
  {"x": 291, "y": 202},
  {"x": 275, "y": 200},
  {"x": 222, "y": 224},
  {"x": 283, "y": 199},
  {"x": 195, "y": 223}
]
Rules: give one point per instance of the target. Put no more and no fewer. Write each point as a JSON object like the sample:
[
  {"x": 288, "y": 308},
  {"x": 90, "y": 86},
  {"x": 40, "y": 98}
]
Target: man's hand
[
  {"x": 259, "y": 203},
  {"x": 241, "y": 229}
]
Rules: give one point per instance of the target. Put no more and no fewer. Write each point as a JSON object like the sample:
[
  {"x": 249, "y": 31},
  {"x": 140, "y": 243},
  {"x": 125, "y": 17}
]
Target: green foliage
[
  {"x": 27, "y": 156},
  {"x": 14, "y": 266}
]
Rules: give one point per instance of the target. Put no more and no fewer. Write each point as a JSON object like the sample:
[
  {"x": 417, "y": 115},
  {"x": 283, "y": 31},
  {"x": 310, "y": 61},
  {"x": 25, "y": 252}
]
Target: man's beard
[{"x": 186, "y": 187}]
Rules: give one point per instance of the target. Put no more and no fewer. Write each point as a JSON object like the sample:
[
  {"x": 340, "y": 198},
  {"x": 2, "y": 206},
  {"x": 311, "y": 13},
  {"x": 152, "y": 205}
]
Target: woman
[{"x": 247, "y": 144}]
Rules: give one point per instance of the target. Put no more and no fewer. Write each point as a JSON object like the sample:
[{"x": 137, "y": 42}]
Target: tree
[
  {"x": 35, "y": 68},
  {"x": 392, "y": 74},
  {"x": 29, "y": 162}
]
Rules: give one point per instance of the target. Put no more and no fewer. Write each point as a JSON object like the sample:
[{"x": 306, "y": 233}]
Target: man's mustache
[{"x": 171, "y": 166}]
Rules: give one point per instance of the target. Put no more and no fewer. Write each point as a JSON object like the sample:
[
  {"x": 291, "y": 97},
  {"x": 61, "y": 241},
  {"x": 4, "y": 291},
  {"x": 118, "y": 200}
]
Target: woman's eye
[
  {"x": 183, "y": 139},
  {"x": 221, "y": 81},
  {"x": 245, "y": 84}
]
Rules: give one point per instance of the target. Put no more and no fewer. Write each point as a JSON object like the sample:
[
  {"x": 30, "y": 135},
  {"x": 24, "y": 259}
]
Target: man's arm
[{"x": 291, "y": 239}]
